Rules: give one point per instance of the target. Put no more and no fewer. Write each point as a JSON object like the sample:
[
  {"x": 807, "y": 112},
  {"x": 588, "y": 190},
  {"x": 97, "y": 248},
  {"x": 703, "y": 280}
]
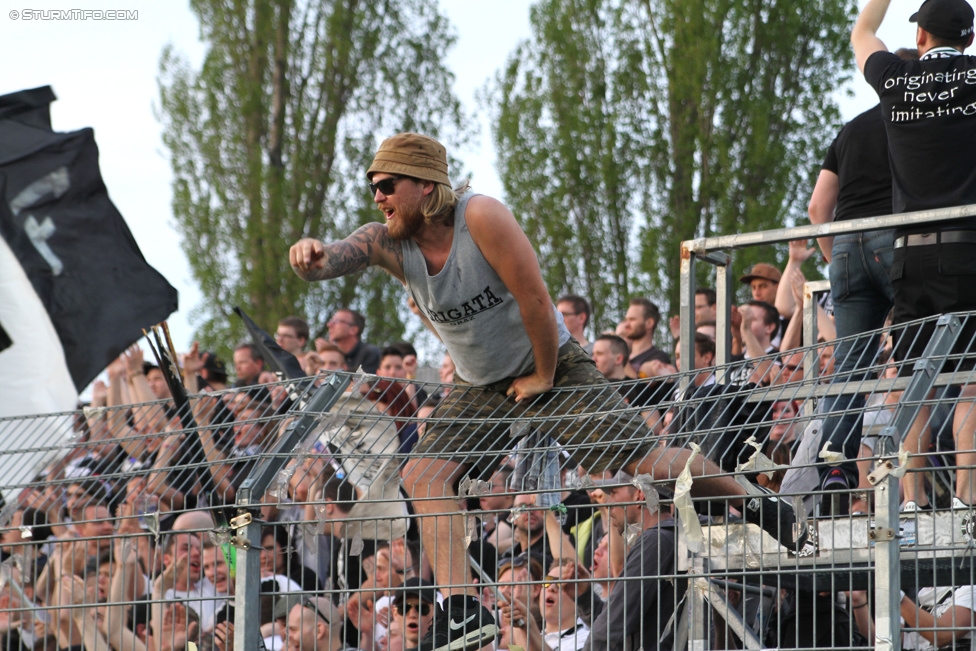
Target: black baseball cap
[
  {"x": 416, "y": 587},
  {"x": 952, "y": 19}
]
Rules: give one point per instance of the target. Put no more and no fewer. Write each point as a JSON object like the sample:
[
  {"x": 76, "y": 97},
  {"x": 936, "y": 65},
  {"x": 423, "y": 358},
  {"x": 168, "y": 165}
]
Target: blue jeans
[{"x": 862, "y": 294}]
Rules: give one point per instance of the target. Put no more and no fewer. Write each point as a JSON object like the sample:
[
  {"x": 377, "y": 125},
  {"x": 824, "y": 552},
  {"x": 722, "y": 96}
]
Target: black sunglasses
[
  {"x": 308, "y": 603},
  {"x": 386, "y": 186},
  {"x": 403, "y": 609}
]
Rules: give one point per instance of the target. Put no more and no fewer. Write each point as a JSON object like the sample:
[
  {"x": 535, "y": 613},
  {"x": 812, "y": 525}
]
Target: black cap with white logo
[{"x": 952, "y": 19}]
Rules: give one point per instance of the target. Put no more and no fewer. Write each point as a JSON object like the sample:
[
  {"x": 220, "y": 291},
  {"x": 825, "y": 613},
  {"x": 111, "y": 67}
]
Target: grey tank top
[{"x": 472, "y": 311}]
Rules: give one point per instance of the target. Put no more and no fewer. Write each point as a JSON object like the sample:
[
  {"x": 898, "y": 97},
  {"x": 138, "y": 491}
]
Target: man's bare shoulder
[
  {"x": 487, "y": 217},
  {"x": 482, "y": 206}
]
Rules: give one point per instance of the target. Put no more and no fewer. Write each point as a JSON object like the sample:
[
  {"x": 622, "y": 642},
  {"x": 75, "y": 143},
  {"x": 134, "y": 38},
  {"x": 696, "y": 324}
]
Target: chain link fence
[{"x": 290, "y": 515}]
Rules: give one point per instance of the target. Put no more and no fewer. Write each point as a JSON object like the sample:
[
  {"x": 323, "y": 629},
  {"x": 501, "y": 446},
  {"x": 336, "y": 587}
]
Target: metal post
[
  {"x": 887, "y": 591},
  {"x": 247, "y": 605},
  {"x": 723, "y": 312},
  {"x": 247, "y": 592},
  {"x": 698, "y": 633},
  {"x": 811, "y": 363},
  {"x": 687, "y": 316}
]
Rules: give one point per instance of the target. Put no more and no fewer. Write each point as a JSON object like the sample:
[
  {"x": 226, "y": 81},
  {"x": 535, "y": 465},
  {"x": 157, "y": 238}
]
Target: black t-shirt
[
  {"x": 645, "y": 393},
  {"x": 365, "y": 355},
  {"x": 929, "y": 110},
  {"x": 859, "y": 158},
  {"x": 651, "y": 353}
]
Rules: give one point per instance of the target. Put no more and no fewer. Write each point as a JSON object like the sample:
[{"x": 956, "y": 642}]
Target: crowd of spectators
[{"x": 113, "y": 546}]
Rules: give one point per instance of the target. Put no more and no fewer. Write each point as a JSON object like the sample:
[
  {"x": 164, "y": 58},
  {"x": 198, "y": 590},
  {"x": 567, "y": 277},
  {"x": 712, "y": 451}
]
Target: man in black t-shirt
[
  {"x": 855, "y": 182},
  {"x": 929, "y": 110}
]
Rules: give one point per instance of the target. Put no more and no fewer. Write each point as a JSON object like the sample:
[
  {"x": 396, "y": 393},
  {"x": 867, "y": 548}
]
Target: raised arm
[
  {"x": 368, "y": 246},
  {"x": 506, "y": 248},
  {"x": 864, "y": 36},
  {"x": 799, "y": 253}
]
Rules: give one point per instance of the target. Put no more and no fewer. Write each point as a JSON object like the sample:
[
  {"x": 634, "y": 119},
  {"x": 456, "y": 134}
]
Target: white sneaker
[
  {"x": 959, "y": 505},
  {"x": 911, "y": 506}
]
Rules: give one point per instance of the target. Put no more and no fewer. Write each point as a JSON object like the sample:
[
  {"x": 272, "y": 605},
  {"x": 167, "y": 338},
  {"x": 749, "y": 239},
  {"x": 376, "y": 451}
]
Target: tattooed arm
[{"x": 368, "y": 246}]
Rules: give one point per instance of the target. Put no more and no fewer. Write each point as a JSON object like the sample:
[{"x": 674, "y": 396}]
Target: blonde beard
[{"x": 403, "y": 228}]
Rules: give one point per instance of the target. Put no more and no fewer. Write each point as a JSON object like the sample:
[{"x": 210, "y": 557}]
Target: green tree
[
  {"x": 624, "y": 127},
  {"x": 270, "y": 139}
]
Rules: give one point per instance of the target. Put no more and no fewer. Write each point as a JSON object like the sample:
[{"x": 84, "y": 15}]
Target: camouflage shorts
[{"x": 476, "y": 426}]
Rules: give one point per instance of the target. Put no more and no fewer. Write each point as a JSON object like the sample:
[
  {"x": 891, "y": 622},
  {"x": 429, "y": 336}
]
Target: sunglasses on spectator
[
  {"x": 554, "y": 580},
  {"x": 386, "y": 186},
  {"x": 403, "y": 609},
  {"x": 308, "y": 603}
]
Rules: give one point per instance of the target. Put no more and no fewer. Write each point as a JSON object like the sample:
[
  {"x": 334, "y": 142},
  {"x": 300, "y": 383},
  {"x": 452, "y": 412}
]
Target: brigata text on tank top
[{"x": 472, "y": 310}]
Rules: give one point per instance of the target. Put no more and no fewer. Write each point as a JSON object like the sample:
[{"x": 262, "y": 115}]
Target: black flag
[
  {"x": 280, "y": 360},
  {"x": 70, "y": 240}
]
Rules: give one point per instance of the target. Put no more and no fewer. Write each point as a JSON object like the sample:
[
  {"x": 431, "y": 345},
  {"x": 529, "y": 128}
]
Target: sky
[{"x": 104, "y": 74}]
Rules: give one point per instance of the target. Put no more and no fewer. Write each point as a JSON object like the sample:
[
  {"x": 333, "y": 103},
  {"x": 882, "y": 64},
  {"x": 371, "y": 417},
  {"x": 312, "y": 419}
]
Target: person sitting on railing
[{"x": 499, "y": 302}]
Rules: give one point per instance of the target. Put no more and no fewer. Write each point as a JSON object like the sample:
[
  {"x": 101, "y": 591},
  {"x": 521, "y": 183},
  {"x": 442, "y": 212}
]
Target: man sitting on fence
[{"x": 476, "y": 280}]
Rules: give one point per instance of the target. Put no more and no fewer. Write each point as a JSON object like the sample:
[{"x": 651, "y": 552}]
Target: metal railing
[{"x": 261, "y": 516}]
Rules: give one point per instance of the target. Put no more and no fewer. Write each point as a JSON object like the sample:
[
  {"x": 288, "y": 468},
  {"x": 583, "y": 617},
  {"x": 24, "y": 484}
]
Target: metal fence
[
  {"x": 319, "y": 515},
  {"x": 166, "y": 535}
]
